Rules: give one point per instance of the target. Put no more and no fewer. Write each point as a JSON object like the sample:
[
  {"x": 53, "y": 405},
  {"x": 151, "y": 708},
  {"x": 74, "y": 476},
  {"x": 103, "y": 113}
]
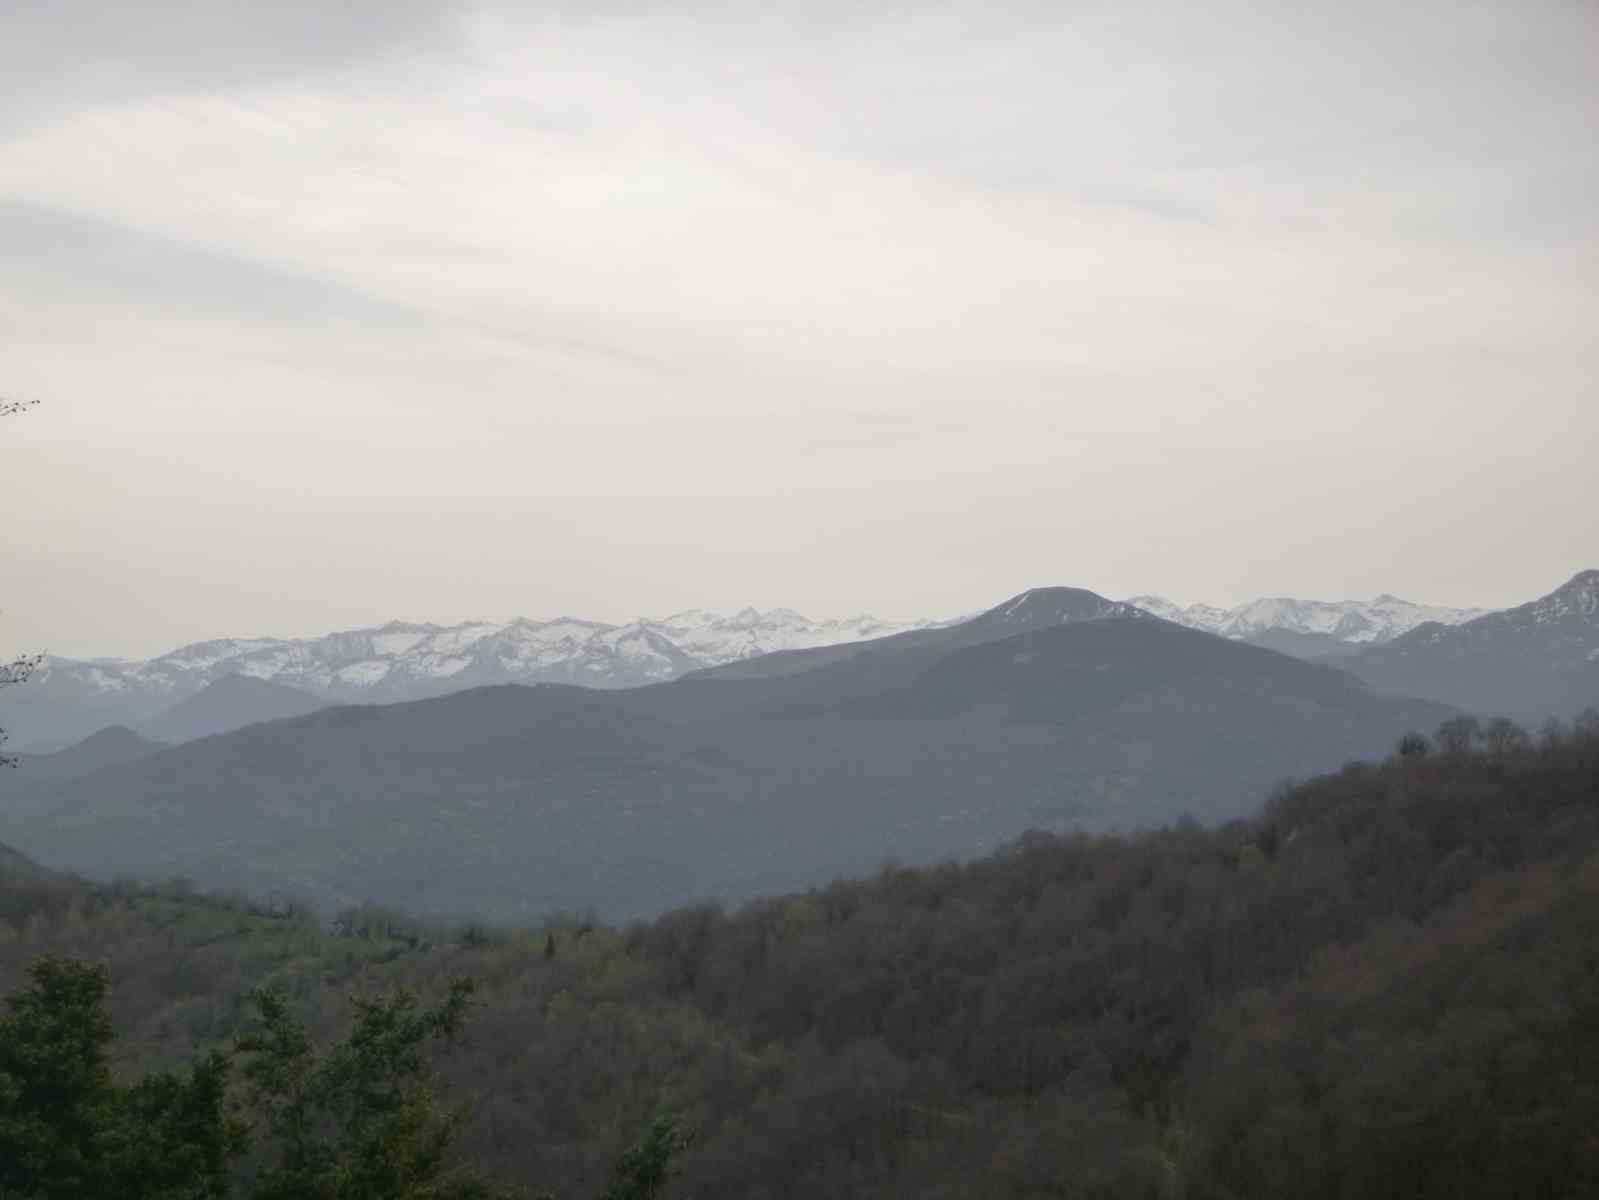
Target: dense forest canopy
[{"x": 1385, "y": 984}]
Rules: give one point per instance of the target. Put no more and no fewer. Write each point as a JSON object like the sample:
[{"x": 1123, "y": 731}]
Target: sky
[{"x": 446, "y": 310}]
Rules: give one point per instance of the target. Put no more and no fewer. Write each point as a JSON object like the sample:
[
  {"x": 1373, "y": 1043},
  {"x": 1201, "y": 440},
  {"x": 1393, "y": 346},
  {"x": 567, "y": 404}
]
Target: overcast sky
[{"x": 338, "y": 313}]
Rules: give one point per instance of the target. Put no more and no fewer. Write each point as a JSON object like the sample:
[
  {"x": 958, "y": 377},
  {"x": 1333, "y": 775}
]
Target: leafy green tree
[
  {"x": 68, "y": 1130},
  {"x": 643, "y": 1171},
  {"x": 361, "y": 1121}
]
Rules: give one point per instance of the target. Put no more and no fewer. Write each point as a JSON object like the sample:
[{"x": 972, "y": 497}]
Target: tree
[
  {"x": 1503, "y": 736},
  {"x": 1457, "y": 735},
  {"x": 1412, "y": 745},
  {"x": 644, "y": 1170},
  {"x": 361, "y": 1121},
  {"x": 15, "y": 671},
  {"x": 67, "y": 1130}
]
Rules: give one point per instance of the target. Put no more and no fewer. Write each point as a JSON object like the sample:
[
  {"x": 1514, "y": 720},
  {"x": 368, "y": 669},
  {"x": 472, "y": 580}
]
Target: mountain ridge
[
  {"x": 1057, "y": 709},
  {"x": 231, "y": 702},
  {"x": 404, "y": 660},
  {"x": 1330, "y": 622},
  {"x": 1536, "y": 660},
  {"x": 109, "y": 747},
  {"x": 400, "y": 660}
]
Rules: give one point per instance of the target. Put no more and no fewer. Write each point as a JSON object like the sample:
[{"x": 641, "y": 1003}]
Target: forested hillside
[{"x": 1385, "y": 984}]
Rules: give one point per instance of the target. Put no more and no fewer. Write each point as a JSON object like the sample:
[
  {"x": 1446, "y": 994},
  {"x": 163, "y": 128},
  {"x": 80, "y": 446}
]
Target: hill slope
[
  {"x": 110, "y": 747},
  {"x": 1383, "y": 985},
  {"x": 229, "y": 703},
  {"x": 15, "y": 865},
  {"x": 511, "y": 800},
  {"x": 1534, "y": 661}
]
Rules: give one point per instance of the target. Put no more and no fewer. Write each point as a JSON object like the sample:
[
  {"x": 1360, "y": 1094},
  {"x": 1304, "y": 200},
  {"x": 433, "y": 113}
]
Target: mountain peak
[
  {"x": 1038, "y": 607},
  {"x": 112, "y": 737},
  {"x": 1582, "y": 581},
  {"x": 1577, "y": 598},
  {"x": 1351, "y": 622}
]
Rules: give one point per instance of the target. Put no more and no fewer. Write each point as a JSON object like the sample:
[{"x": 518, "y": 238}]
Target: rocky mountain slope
[{"x": 1537, "y": 660}]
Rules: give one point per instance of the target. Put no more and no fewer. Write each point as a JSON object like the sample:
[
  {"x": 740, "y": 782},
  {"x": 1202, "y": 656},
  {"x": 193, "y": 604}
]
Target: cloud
[
  {"x": 664, "y": 284},
  {"x": 157, "y": 271},
  {"x": 59, "y": 56}
]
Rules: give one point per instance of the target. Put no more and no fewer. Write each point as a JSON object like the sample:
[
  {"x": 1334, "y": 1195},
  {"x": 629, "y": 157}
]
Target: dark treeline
[{"x": 1386, "y": 984}]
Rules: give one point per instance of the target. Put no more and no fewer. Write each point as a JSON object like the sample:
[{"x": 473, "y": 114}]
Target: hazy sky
[{"x": 345, "y": 312}]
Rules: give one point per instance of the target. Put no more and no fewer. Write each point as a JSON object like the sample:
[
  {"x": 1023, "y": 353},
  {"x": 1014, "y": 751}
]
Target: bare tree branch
[
  {"x": 15, "y": 671},
  {"x": 19, "y": 668}
]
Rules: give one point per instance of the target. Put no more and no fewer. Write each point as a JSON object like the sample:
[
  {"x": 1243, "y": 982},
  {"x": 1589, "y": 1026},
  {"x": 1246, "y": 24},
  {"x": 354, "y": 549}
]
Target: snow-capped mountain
[
  {"x": 1536, "y": 660},
  {"x": 401, "y": 661},
  {"x": 70, "y": 698},
  {"x": 1039, "y": 608},
  {"x": 1323, "y": 623}
]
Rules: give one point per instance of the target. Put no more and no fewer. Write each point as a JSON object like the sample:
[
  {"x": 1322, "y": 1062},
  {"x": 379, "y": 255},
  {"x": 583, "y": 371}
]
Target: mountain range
[
  {"x": 1310, "y": 628},
  {"x": 1056, "y": 710},
  {"x": 1531, "y": 662},
  {"x": 70, "y": 698}
]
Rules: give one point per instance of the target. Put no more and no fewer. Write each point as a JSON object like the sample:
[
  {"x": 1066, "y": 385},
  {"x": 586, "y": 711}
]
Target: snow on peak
[
  {"x": 1577, "y": 600},
  {"x": 1358, "y": 622},
  {"x": 401, "y": 659}
]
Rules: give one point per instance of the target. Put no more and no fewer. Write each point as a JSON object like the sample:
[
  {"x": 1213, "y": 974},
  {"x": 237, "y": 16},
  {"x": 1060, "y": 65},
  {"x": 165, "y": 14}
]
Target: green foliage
[
  {"x": 361, "y": 1121},
  {"x": 1384, "y": 984},
  {"x": 643, "y": 1170},
  {"x": 67, "y": 1130}
]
